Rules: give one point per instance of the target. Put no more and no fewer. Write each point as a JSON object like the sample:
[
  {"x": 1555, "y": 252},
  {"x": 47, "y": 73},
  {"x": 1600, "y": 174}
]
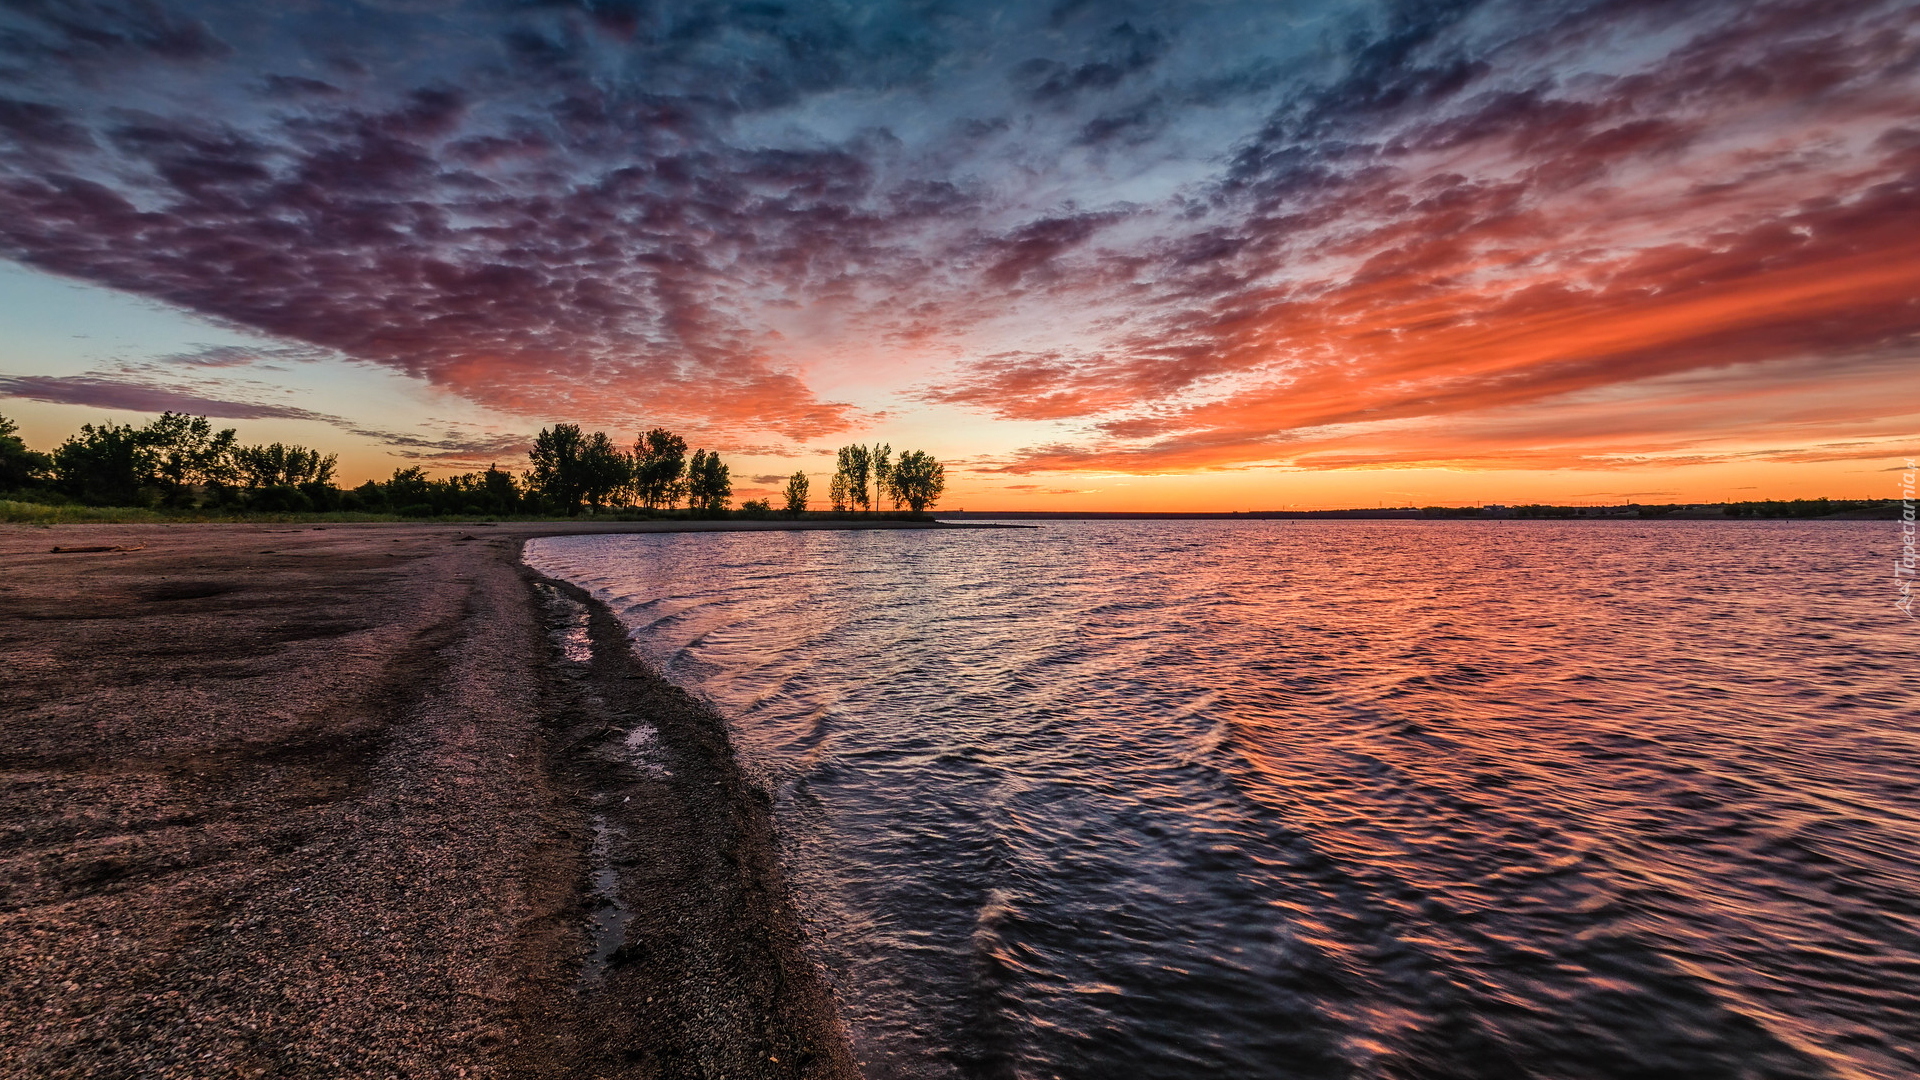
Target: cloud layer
[{"x": 1328, "y": 235}]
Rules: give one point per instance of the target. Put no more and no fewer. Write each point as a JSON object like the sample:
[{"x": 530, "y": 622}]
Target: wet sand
[{"x": 296, "y": 801}]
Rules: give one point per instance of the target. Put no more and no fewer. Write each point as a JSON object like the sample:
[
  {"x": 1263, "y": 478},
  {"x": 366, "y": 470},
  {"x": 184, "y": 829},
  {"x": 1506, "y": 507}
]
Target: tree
[
  {"x": 882, "y": 473},
  {"x": 917, "y": 480},
  {"x": 105, "y": 465},
  {"x": 840, "y": 494},
  {"x": 855, "y": 469},
  {"x": 556, "y": 467},
  {"x": 604, "y": 470},
  {"x": 502, "y": 495},
  {"x": 797, "y": 493},
  {"x": 370, "y": 496},
  {"x": 410, "y": 492},
  {"x": 659, "y": 463},
  {"x": 278, "y": 464},
  {"x": 186, "y": 451},
  {"x": 709, "y": 484},
  {"x": 19, "y": 466},
  {"x": 116, "y": 464}
]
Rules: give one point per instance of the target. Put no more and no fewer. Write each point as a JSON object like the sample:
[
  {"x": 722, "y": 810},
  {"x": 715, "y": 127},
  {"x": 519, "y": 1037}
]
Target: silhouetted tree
[
  {"x": 19, "y": 466},
  {"x": 502, "y": 495},
  {"x": 797, "y": 493},
  {"x": 604, "y": 470},
  {"x": 107, "y": 464},
  {"x": 279, "y": 464},
  {"x": 556, "y": 467},
  {"x": 840, "y": 493},
  {"x": 164, "y": 461},
  {"x": 659, "y": 464},
  {"x": 370, "y": 497},
  {"x": 917, "y": 480},
  {"x": 709, "y": 484},
  {"x": 855, "y": 469},
  {"x": 882, "y": 473},
  {"x": 410, "y": 493},
  {"x": 187, "y": 452}
]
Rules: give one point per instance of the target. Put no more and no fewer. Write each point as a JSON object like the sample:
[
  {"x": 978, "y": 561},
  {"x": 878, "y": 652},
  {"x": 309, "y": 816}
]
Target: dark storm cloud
[{"x": 1203, "y": 232}]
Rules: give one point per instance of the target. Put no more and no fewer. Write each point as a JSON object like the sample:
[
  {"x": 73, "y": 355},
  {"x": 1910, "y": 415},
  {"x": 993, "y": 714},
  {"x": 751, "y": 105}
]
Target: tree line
[
  {"x": 575, "y": 470},
  {"x": 174, "y": 462},
  {"x": 179, "y": 462},
  {"x": 865, "y": 475}
]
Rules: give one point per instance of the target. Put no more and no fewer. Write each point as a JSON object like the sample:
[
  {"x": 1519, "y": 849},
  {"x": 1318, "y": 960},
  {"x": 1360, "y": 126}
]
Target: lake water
[{"x": 1325, "y": 799}]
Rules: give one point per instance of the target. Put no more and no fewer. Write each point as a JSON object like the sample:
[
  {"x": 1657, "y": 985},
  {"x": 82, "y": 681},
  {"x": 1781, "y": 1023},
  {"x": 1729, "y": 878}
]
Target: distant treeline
[
  {"x": 1797, "y": 508},
  {"x": 1804, "y": 508},
  {"x": 175, "y": 462},
  {"x": 179, "y": 462}
]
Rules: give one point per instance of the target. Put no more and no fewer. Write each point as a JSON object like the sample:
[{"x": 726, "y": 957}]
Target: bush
[
  {"x": 372, "y": 496},
  {"x": 280, "y": 499},
  {"x": 322, "y": 495},
  {"x": 19, "y": 467}
]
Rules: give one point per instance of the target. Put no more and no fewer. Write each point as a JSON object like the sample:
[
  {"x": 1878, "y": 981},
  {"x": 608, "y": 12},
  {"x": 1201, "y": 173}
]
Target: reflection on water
[{"x": 1326, "y": 799}]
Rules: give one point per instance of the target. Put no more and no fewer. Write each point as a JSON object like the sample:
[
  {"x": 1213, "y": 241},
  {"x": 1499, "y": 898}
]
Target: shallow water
[{"x": 1325, "y": 799}]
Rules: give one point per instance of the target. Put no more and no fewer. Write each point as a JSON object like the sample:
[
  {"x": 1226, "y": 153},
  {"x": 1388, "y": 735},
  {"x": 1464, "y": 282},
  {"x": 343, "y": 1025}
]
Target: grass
[
  {"x": 13, "y": 512},
  {"x": 28, "y": 513}
]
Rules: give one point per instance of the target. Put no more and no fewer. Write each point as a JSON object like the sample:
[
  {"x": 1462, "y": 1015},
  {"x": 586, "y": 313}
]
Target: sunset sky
[{"x": 1095, "y": 255}]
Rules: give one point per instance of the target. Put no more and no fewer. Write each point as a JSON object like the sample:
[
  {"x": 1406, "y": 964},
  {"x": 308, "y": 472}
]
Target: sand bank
[{"x": 288, "y": 801}]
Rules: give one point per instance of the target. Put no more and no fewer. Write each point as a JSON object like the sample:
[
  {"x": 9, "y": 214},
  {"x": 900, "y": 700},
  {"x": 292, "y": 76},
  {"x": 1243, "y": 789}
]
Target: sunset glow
[{"x": 1167, "y": 257}]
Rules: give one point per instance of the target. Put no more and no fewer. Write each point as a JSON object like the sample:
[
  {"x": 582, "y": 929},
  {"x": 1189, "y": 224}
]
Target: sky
[{"x": 1092, "y": 255}]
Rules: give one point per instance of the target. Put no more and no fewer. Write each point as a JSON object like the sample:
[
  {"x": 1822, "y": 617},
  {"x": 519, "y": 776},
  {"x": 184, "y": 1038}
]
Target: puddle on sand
[
  {"x": 569, "y": 628},
  {"x": 569, "y": 625},
  {"x": 645, "y": 752},
  {"x": 610, "y": 916}
]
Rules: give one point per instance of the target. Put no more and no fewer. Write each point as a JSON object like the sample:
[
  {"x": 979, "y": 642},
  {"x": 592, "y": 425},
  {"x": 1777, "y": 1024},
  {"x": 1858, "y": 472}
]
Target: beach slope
[{"x": 297, "y": 801}]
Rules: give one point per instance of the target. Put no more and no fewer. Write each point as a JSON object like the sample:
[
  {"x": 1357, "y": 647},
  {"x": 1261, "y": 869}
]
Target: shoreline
[{"x": 293, "y": 800}]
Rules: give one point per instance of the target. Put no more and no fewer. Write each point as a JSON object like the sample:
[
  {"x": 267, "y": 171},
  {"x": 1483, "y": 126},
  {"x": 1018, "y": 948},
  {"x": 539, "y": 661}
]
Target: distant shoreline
[{"x": 1891, "y": 513}]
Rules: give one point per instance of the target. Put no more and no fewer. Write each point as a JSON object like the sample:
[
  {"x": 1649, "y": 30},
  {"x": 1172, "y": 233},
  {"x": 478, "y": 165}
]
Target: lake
[{"x": 1325, "y": 798}]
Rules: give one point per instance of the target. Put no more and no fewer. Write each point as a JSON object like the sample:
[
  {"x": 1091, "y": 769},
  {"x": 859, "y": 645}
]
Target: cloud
[
  {"x": 227, "y": 356},
  {"x": 1041, "y": 489},
  {"x": 90, "y": 33},
  {"x": 129, "y": 396},
  {"x": 1474, "y": 246},
  {"x": 453, "y": 447},
  {"x": 129, "y": 392},
  {"x": 1187, "y": 238}
]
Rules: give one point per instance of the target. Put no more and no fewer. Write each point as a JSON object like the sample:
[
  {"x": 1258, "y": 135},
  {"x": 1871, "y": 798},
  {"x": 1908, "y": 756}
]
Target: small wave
[{"x": 1323, "y": 799}]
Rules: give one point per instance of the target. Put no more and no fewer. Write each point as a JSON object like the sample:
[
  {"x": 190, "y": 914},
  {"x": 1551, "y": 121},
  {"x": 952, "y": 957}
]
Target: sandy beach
[{"x": 318, "y": 801}]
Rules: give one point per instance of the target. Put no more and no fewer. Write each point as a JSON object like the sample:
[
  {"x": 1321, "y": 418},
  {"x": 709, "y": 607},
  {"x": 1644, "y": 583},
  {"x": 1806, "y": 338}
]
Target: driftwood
[{"x": 96, "y": 547}]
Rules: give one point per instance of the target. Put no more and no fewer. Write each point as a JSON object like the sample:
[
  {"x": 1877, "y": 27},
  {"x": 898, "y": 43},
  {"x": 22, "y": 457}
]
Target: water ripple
[{"x": 1325, "y": 799}]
